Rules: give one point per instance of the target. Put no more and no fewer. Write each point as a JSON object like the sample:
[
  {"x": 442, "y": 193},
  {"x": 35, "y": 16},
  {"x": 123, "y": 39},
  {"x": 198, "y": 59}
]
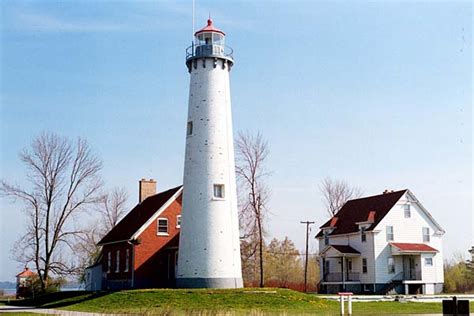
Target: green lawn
[{"x": 211, "y": 302}]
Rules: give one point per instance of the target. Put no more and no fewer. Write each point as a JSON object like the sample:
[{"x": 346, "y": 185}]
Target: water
[
  {"x": 12, "y": 292},
  {"x": 9, "y": 292}
]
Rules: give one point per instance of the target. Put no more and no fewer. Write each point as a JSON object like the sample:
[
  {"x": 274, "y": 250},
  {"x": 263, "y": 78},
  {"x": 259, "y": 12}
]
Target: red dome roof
[
  {"x": 26, "y": 273},
  {"x": 209, "y": 28}
]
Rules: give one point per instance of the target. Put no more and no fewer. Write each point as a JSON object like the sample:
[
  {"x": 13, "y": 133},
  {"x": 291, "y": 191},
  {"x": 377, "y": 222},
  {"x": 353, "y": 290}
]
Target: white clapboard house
[{"x": 387, "y": 243}]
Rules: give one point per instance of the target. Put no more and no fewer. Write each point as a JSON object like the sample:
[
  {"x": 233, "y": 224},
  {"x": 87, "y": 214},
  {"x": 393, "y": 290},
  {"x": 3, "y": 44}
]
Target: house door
[
  {"x": 411, "y": 265},
  {"x": 349, "y": 269}
]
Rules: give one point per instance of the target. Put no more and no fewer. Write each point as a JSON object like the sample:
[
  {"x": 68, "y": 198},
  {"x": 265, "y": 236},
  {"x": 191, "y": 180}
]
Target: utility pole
[{"x": 306, "y": 259}]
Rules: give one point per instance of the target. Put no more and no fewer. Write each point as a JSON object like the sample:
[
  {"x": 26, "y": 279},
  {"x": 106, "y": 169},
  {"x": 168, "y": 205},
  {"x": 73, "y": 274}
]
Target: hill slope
[{"x": 211, "y": 302}]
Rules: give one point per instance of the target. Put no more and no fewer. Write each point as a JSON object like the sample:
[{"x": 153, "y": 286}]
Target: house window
[
  {"x": 127, "y": 260},
  {"x": 391, "y": 265},
  {"x": 219, "y": 191},
  {"x": 429, "y": 262},
  {"x": 326, "y": 239},
  {"x": 189, "y": 129},
  {"x": 178, "y": 221},
  {"x": 389, "y": 233},
  {"x": 109, "y": 261},
  {"x": 364, "y": 265},
  {"x": 426, "y": 234},
  {"x": 349, "y": 265},
  {"x": 363, "y": 236},
  {"x": 162, "y": 226},
  {"x": 407, "y": 211},
  {"x": 117, "y": 261}
]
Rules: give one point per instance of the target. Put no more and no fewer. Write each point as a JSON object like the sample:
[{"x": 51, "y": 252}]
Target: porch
[
  {"x": 408, "y": 266},
  {"x": 340, "y": 265}
]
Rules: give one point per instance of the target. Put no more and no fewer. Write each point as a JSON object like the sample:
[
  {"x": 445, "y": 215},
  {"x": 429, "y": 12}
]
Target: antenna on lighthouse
[{"x": 193, "y": 21}]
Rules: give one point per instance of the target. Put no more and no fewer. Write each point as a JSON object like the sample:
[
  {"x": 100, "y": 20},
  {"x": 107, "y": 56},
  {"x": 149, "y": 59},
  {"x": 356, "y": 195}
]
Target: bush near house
[{"x": 458, "y": 276}]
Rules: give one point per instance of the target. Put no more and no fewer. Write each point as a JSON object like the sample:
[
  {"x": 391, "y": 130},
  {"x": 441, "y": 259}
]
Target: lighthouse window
[
  {"x": 178, "y": 221},
  {"x": 189, "y": 130},
  {"x": 219, "y": 191},
  {"x": 162, "y": 226}
]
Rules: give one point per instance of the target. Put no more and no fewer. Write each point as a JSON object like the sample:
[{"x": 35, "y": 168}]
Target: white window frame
[
  {"x": 366, "y": 266},
  {"x": 407, "y": 210},
  {"x": 109, "y": 261},
  {"x": 390, "y": 235},
  {"x": 426, "y": 237},
  {"x": 326, "y": 238},
  {"x": 158, "y": 226},
  {"x": 117, "y": 261},
  {"x": 127, "y": 260},
  {"x": 429, "y": 259},
  {"x": 363, "y": 235},
  {"x": 222, "y": 191},
  {"x": 178, "y": 221},
  {"x": 391, "y": 265}
]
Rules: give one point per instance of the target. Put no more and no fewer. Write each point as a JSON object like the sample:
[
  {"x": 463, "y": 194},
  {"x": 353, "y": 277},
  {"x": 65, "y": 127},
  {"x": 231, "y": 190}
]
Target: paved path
[
  {"x": 20, "y": 309},
  {"x": 407, "y": 298}
]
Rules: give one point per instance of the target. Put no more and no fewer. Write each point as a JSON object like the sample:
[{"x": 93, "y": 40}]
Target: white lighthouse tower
[{"x": 209, "y": 248}]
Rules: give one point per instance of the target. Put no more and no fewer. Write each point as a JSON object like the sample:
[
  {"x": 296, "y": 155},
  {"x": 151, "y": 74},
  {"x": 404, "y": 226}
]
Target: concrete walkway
[
  {"x": 23, "y": 309},
  {"x": 406, "y": 298}
]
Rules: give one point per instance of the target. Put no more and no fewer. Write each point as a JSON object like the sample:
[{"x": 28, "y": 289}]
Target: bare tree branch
[
  {"x": 336, "y": 193},
  {"x": 64, "y": 178},
  {"x": 251, "y": 154}
]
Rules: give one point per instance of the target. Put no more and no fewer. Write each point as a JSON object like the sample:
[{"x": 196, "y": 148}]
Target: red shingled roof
[
  {"x": 26, "y": 273},
  {"x": 209, "y": 28},
  {"x": 413, "y": 247},
  {"x": 358, "y": 210},
  {"x": 138, "y": 216}
]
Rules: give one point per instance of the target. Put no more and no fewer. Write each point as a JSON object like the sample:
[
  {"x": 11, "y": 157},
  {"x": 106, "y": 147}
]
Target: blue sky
[{"x": 376, "y": 93}]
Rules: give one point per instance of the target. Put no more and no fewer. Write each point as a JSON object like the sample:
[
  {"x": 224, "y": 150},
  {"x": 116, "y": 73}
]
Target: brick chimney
[{"x": 146, "y": 188}]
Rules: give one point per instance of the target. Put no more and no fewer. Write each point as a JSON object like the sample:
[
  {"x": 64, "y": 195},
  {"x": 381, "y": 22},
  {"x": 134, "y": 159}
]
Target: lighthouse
[{"x": 209, "y": 248}]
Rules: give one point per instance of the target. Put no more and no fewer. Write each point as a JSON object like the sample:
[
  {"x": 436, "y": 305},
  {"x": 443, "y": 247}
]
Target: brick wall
[{"x": 154, "y": 266}]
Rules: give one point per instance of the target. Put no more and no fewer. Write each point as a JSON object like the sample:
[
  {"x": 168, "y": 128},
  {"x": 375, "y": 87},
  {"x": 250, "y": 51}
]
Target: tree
[
  {"x": 336, "y": 193},
  {"x": 252, "y": 153},
  {"x": 284, "y": 263},
  {"x": 111, "y": 207},
  {"x": 63, "y": 178},
  {"x": 457, "y": 277}
]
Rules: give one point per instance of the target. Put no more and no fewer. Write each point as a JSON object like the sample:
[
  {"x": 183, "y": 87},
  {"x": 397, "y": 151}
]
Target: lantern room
[
  {"x": 209, "y": 35},
  {"x": 209, "y": 42}
]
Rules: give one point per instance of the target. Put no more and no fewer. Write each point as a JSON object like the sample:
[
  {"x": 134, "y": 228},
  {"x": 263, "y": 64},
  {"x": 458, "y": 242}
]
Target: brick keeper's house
[{"x": 141, "y": 251}]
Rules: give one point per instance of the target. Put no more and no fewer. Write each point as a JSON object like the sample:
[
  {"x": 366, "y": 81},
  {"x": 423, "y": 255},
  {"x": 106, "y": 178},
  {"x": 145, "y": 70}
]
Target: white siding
[
  {"x": 365, "y": 248},
  {"x": 407, "y": 230}
]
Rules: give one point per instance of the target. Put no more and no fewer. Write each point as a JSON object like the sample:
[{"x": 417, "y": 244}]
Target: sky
[{"x": 376, "y": 93}]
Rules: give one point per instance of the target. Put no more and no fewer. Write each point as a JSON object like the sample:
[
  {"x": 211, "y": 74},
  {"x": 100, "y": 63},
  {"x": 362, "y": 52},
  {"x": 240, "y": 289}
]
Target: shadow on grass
[{"x": 58, "y": 299}]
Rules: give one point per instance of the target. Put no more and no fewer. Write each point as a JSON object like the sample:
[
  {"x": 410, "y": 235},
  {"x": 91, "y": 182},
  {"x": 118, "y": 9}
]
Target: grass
[{"x": 217, "y": 302}]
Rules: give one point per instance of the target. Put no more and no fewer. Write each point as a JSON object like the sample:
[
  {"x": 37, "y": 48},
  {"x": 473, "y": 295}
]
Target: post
[
  {"x": 306, "y": 255},
  {"x": 349, "y": 302},
  {"x": 455, "y": 304}
]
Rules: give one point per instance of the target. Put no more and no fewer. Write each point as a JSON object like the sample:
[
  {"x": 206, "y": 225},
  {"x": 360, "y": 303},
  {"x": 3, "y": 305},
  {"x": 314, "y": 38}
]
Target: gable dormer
[
  {"x": 327, "y": 230},
  {"x": 364, "y": 225}
]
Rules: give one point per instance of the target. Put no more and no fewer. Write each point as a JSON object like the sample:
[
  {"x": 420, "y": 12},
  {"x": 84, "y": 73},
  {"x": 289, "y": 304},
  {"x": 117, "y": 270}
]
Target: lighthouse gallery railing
[{"x": 209, "y": 51}]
